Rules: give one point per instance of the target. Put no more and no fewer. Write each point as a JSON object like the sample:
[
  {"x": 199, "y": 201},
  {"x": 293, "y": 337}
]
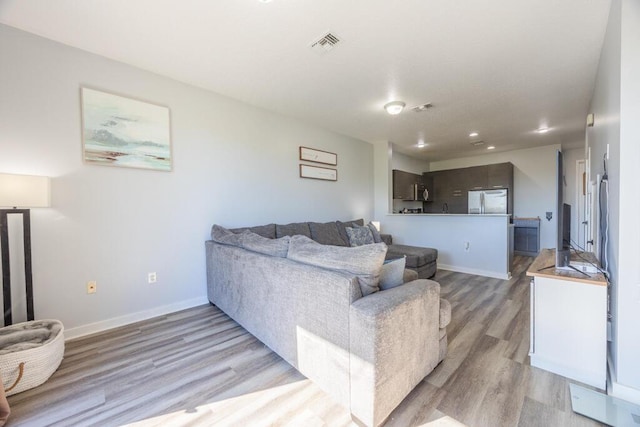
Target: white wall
[
  {"x": 408, "y": 164},
  {"x": 616, "y": 105},
  {"x": 534, "y": 183},
  {"x": 233, "y": 165}
]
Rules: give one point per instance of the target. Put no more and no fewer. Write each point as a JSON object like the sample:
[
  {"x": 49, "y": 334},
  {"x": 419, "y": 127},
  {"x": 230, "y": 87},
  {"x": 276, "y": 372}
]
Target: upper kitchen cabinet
[
  {"x": 451, "y": 187},
  {"x": 500, "y": 175},
  {"x": 429, "y": 191},
  {"x": 475, "y": 177},
  {"x": 407, "y": 186}
]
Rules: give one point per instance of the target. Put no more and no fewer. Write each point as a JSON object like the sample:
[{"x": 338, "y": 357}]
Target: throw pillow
[
  {"x": 359, "y": 236},
  {"x": 392, "y": 273},
  {"x": 376, "y": 234},
  {"x": 342, "y": 228},
  {"x": 273, "y": 247},
  {"x": 226, "y": 237},
  {"x": 364, "y": 262}
]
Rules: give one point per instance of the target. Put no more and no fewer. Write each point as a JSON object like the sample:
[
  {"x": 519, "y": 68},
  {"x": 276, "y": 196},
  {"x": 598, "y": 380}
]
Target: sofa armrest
[
  {"x": 393, "y": 338},
  {"x": 387, "y": 238}
]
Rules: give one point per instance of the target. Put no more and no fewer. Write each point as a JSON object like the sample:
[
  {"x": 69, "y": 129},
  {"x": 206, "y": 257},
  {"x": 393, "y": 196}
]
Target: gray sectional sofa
[{"x": 318, "y": 307}]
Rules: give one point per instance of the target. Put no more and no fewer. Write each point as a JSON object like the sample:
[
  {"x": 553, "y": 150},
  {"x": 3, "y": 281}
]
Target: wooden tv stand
[{"x": 568, "y": 320}]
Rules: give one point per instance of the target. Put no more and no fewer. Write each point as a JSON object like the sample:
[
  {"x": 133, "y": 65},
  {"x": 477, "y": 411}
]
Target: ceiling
[{"x": 502, "y": 68}]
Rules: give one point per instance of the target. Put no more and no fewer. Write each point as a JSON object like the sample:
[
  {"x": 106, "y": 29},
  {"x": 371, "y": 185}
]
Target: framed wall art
[
  {"x": 120, "y": 131},
  {"x": 318, "y": 156},
  {"x": 317, "y": 172}
]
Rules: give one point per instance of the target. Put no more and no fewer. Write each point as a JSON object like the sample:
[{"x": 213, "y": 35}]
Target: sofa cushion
[
  {"x": 359, "y": 236},
  {"x": 374, "y": 231},
  {"x": 364, "y": 262},
  {"x": 226, "y": 237},
  {"x": 273, "y": 247},
  {"x": 326, "y": 234},
  {"x": 268, "y": 231},
  {"x": 416, "y": 256},
  {"x": 342, "y": 227},
  {"x": 251, "y": 241},
  {"x": 392, "y": 273},
  {"x": 293, "y": 229}
]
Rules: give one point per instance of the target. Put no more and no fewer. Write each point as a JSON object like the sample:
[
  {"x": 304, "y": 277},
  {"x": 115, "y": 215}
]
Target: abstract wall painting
[{"x": 120, "y": 131}]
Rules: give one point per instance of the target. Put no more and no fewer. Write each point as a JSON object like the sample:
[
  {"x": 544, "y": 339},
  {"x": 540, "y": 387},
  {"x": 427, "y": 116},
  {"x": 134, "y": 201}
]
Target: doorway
[{"x": 580, "y": 218}]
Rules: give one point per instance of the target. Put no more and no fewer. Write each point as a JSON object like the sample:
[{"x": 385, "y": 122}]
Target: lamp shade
[{"x": 24, "y": 191}]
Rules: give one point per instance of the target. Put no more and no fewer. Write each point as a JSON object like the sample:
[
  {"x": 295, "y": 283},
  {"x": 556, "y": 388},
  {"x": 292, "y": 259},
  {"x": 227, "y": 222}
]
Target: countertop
[
  {"x": 547, "y": 257},
  {"x": 448, "y": 214}
]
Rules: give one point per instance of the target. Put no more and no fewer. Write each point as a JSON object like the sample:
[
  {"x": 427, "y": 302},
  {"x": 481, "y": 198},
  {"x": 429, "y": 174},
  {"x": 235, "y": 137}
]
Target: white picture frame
[
  {"x": 318, "y": 156},
  {"x": 317, "y": 172}
]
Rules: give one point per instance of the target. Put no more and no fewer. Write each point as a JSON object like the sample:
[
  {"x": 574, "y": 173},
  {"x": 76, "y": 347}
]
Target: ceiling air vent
[
  {"x": 477, "y": 143},
  {"x": 421, "y": 108},
  {"x": 325, "y": 43}
]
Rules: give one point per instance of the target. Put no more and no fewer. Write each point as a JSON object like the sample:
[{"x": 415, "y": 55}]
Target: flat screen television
[{"x": 563, "y": 218}]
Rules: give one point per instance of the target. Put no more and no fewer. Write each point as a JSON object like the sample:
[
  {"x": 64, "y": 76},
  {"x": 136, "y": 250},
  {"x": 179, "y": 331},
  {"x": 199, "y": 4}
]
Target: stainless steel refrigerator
[{"x": 488, "y": 201}]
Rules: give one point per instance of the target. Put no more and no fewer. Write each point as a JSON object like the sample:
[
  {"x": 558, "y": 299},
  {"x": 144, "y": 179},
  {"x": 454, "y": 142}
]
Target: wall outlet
[
  {"x": 152, "y": 277},
  {"x": 92, "y": 287}
]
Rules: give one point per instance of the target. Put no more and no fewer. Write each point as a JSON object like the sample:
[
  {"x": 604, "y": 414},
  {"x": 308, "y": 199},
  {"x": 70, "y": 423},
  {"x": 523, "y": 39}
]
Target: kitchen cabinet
[
  {"x": 451, "y": 187},
  {"x": 404, "y": 185},
  {"x": 500, "y": 175},
  {"x": 526, "y": 236},
  {"x": 476, "y": 177}
]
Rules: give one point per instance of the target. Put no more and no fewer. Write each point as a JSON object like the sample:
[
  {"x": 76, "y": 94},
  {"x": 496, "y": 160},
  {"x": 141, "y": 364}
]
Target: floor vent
[{"x": 325, "y": 43}]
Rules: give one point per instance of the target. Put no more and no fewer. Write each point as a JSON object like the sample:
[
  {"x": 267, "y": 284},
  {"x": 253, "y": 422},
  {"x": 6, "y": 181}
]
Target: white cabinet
[{"x": 569, "y": 324}]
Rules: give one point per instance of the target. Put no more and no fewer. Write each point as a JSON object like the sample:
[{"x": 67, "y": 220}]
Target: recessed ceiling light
[
  {"x": 394, "y": 107},
  {"x": 491, "y": 147},
  {"x": 264, "y": 1},
  {"x": 473, "y": 134},
  {"x": 421, "y": 144},
  {"x": 543, "y": 130}
]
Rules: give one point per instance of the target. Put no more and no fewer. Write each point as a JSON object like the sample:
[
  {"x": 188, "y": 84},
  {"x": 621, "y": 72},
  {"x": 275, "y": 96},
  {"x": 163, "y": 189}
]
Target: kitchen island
[{"x": 474, "y": 244}]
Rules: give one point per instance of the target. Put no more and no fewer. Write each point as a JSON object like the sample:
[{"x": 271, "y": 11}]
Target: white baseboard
[
  {"x": 115, "y": 322},
  {"x": 620, "y": 391},
  {"x": 486, "y": 273}
]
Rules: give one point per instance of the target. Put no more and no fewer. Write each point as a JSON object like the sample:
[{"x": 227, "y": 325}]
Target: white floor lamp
[{"x": 19, "y": 192}]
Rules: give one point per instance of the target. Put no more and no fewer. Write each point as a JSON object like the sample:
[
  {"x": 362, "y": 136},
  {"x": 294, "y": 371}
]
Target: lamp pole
[{"x": 6, "y": 265}]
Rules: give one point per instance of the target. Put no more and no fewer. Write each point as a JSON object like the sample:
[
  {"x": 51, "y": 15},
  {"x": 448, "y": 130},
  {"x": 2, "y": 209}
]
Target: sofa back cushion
[
  {"x": 268, "y": 231},
  {"x": 226, "y": 237},
  {"x": 251, "y": 241},
  {"x": 326, "y": 233},
  {"x": 273, "y": 247},
  {"x": 293, "y": 229},
  {"x": 365, "y": 262}
]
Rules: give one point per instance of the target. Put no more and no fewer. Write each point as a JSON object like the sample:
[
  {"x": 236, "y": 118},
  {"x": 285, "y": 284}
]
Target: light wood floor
[{"x": 199, "y": 368}]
